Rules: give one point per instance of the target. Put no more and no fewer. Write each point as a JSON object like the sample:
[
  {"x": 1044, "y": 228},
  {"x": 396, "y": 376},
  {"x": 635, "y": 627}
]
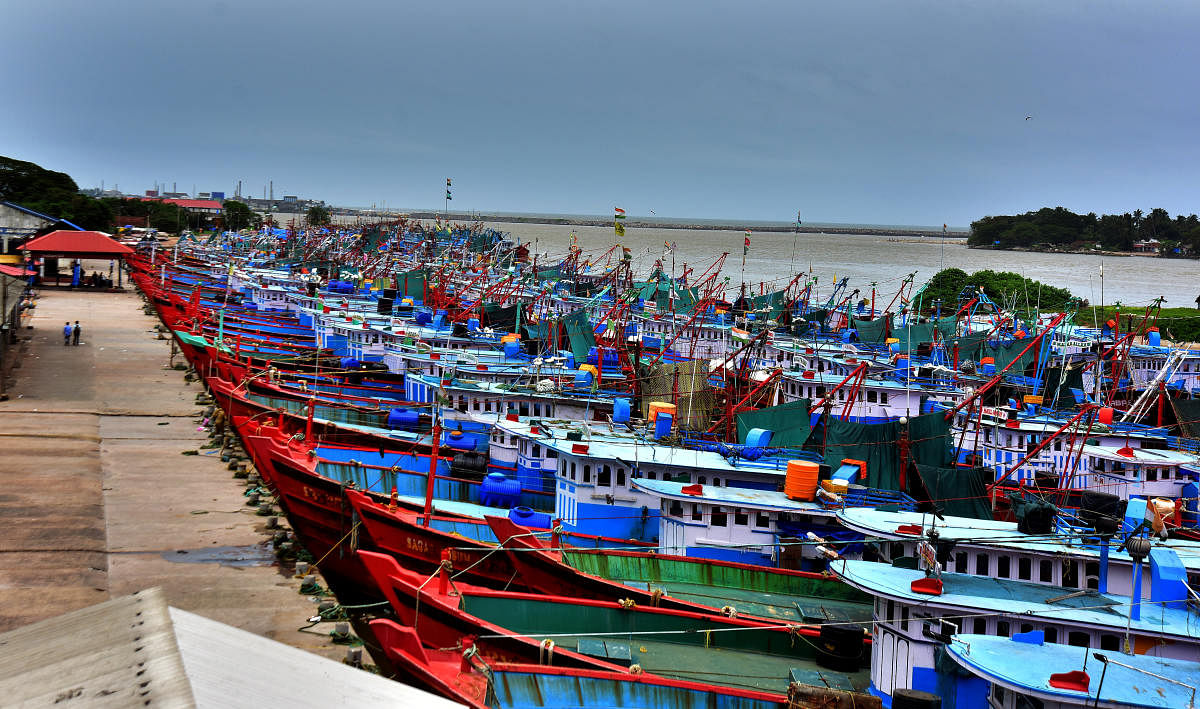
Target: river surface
[{"x": 775, "y": 257}]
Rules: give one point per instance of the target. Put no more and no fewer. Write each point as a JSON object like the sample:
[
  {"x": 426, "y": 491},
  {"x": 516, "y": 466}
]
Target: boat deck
[{"x": 786, "y": 608}]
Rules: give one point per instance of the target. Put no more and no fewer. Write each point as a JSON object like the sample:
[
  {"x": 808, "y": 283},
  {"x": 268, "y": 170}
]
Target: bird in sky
[{"x": 1028, "y": 117}]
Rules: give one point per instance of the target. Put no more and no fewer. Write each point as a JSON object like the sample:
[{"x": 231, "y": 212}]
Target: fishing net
[{"x": 686, "y": 385}]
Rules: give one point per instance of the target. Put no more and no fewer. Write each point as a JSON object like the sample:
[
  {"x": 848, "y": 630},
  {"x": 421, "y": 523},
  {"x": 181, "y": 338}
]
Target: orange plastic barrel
[
  {"x": 802, "y": 479},
  {"x": 988, "y": 360},
  {"x": 657, "y": 407},
  {"x": 1106, "y": 415}
]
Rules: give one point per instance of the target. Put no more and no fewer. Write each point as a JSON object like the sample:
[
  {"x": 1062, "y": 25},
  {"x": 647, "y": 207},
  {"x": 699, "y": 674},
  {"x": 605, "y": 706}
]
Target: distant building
[
  {"x": 208, "y": 207},
  {"x": 1146, "y": 246}
]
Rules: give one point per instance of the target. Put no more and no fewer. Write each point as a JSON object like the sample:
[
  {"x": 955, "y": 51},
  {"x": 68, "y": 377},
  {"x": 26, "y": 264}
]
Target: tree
[
  {"x": 238, "y": 215},
  {"x": 318, "y": 215},
  {"x": 52, "y": 193}
]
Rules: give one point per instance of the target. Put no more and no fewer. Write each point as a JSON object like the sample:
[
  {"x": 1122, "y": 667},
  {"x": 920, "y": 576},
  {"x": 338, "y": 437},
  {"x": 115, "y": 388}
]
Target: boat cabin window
[
  {"x": 620, "y": 477},
  {"x": 1078, "y": 638},
  {"x": 1026, "y": 627},
  {"x": 1070, "y": 574},
  {"x": 1002, "y": 628},
  {"x": 604, "y": 476},
  {"x": 551, "y": 453},
  {"x": 1151, "y": 474},
  {"x": 1058, "y": 445},
  {"x": 1002, "y": 570},
  {"x": 573, "y": 470},
  {"x": 979, "y": 626},
  {"x": 1046, "y": 571},
  {"x": 716, "y": 482},
  {"x": 740, "y": 518},
  {"x": 676, "y": 508},
  {"x": 651, "y": 475},
  {"x": 1092, "y": 572},
  {"x": 872, "y": 396},
  {"x": 904, "y": 618},
  {"x": 537, "y": 451},
  {"x": 719, "y": 518},
  {"x": 702, "y": 480},
  {"x": 697, "y": 515},
  {"x": 1110, "y": 642},
  {"x": 1051, "y": 634},
  {"x": 762, "y": 519},
  {"x": 960, "y": 562},
  {"x": 981, "y": 564},
  {"x": 1024, "y": 569},
  {"x": 883, "y": 397}
]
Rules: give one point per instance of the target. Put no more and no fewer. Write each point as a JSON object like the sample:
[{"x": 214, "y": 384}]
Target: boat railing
[{"x": 1179, "y": 443}]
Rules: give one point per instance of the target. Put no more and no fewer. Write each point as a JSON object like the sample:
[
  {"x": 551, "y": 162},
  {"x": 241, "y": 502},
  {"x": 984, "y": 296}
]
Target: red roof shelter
[{"x": 76, "y": 244}]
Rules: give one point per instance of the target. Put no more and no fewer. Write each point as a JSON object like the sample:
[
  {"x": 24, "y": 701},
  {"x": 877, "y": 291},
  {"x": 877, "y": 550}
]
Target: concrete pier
[{"x": 98, "y": 499}]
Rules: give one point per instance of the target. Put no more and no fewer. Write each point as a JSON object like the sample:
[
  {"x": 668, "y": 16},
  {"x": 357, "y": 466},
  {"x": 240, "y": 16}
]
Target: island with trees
[{"x": 1060, "y": 229}]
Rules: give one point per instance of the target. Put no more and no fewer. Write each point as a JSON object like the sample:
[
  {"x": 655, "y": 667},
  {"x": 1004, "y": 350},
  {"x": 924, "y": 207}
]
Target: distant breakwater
[{"x": 730, "y": 226}]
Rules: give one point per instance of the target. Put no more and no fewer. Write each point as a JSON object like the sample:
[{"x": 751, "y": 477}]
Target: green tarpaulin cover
[
  {"x": 873, "y": 332},
  {"x": 960, "y": 492},
  {"x": 790, "y": 423},
  {"x": 580, "y": 333},
  {"x": 878, "y": 445},
  {"x": 1011, "y": 352},
  {"x": 1187, "y": 413},
  {"x": 411, "y": 283}
]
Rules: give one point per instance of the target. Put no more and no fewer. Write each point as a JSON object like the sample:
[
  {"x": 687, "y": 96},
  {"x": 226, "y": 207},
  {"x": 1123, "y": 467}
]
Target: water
[
  {"x": 238, "y": 557},
  {"x": 1132, "y": 280}
]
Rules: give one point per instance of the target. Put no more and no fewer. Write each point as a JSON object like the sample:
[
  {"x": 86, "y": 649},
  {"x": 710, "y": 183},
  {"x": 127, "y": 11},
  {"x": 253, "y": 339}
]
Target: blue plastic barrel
[
  {"x": 583, "y": 378},
  {"x": 1154, "y": 338},
  {"x": 512, "y": 349},
  {"x": 403, "y": 419},
  {"x": 472, "y": 324},
  {"x": 350, "y": 363},
  {"x": 620, "y": 410},
  {"x": 422, "y": 317},
  {"x": 458, "y": 440},
  {"x": 662, "y": 424},
  {"x": 499, "y": 491},
  {"x": 526, "y": 517},
  {"x": 758, "y": 438}
]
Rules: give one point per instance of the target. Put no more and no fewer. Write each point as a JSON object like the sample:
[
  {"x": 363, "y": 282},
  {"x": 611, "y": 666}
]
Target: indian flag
[
  {"x": 619, "y": 213},
  {"x": 739, "y": 335}
]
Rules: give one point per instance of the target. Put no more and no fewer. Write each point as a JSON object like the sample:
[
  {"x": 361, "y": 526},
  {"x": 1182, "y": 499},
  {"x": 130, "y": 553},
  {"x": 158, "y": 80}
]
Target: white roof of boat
[
  {"x": 993, "y": 533},
  {"x": 732, "y": 496}
]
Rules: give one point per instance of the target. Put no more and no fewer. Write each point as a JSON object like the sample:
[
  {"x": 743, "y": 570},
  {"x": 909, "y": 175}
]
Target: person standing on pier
[
  {"x": 75, "y": 333},
  {"x": 67, "y": 333}
]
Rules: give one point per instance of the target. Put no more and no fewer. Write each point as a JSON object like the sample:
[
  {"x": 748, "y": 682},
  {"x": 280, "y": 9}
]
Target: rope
[{"x": 338, "y": 543}]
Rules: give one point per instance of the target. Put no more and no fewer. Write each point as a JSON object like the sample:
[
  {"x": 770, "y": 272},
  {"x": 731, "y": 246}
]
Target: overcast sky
[{"x": 887, "y": 112}]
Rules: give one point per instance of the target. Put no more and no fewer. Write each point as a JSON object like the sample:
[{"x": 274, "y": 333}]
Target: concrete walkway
[{"x": 98, "y": 500}]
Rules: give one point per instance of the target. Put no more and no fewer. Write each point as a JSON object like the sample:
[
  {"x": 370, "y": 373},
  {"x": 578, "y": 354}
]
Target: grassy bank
[{"x": 1177, "y": 324}]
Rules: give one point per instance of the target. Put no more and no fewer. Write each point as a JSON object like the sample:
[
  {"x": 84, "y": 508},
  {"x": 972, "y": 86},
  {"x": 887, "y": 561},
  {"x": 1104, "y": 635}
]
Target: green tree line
[
  {"x": 1060, "y": 227},
  {"x": 52, "y": 193},
  {"x": 1004, "y": 288}
]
